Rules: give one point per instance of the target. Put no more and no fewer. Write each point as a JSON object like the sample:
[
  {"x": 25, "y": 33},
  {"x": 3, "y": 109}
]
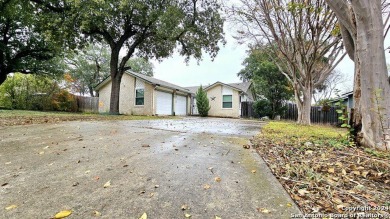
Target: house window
[
  {"x": 139, "y": 97},
  {"x": 227, "y": 101}
]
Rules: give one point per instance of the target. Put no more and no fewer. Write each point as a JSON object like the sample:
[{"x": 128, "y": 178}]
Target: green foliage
[
  {"x": 24, "y": 44},
  {"x": 268, "y": 82},
  {"x": 86, "y": 68},
  {"x": 141, "y": 65},
  {"x": 150, "y": 29},
  {"x": 295, "y": 134},
  {"x": 35, "y": 92},
  {"x": 64, "y": 101},
  {"x": 202, "y": 102},
  {"x": 263, "y": 108}
]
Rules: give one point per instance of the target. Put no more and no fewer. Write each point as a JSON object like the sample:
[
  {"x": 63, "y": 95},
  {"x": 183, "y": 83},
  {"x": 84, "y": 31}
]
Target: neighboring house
[
  {"x": 143, "y": 95},
  {"x": 346, "y": 99},
  {"x": 225, "y": 99}
]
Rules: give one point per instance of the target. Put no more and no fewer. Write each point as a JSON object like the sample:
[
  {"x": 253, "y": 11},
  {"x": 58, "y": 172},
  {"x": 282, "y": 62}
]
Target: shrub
[{"x": 202, "y": 102}]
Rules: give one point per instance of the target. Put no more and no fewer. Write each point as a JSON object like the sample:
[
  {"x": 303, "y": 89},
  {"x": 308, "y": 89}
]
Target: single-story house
[
  {"x": 225, "y": 99},
  {"x": 346, "y": 99},
  {"x": 143, "y": 95}
]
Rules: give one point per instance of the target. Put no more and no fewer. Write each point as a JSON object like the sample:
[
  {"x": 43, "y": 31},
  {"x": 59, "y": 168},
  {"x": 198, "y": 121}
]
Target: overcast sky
[{"x": 225, "y": 67}]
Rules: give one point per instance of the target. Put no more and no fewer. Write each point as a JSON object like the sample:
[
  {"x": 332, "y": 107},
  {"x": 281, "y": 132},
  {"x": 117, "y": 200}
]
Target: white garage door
[
  {"x": 163, "y": 103},
  {"x": 181, "y": 105}
]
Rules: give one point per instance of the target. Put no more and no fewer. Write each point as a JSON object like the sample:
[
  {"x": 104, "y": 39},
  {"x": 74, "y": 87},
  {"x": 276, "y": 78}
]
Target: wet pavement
[{"x": 154, "y": 167}]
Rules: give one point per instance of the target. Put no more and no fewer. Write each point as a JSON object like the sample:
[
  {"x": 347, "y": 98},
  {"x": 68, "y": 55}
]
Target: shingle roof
[
  {"x": 243, "y": 86},
  {"x": 155, "y": 81},
  {"x": 148, "y": 79}
]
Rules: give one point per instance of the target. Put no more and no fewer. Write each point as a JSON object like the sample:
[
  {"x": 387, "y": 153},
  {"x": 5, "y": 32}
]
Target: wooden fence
[
  {"x": 88, "y": 104},
  {"x": 247, "y": 110},
  {"x": 318, "y": 114}
]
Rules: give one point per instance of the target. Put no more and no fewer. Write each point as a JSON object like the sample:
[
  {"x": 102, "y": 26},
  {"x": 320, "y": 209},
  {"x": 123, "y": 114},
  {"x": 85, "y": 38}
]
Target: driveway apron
[{"x": 194, "y": 167}]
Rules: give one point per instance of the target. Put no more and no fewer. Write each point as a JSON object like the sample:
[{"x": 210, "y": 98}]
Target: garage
[
  {"x": 181, "y": 105},
  {"x": 163, "y": 103}
]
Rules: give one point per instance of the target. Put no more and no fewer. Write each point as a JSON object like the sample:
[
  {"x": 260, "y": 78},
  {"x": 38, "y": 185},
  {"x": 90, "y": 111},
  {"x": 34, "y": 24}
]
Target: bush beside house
[{"x": 202, "y": 102}]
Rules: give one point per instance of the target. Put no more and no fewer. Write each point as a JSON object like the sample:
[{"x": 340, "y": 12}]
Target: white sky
[{"x": 226, "y": 66}]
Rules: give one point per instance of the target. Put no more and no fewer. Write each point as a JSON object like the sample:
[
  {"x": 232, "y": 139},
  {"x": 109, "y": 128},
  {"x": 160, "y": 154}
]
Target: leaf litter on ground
[{"x": 327, "y": 175}]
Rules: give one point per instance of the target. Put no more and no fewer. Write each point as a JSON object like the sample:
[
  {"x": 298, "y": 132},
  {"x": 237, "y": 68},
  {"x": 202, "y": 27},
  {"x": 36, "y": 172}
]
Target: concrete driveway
[{"x": 153, "y": 166}]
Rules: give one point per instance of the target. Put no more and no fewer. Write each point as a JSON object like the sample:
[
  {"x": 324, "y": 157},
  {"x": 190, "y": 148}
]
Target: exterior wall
[
  {"x": 216, "y": 104},
  {"x": 104, "y": 98},
  {"x": 127, "y": 98}
]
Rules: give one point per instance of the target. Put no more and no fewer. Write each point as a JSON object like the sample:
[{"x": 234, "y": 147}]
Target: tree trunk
[
  {"x": 116, "y": 78},
  {"x": 115, "y": 91},
  {"x": 372, "y": 89},
  {"x": 3, "y": 76},
  {"x": 304, "y": 108}
]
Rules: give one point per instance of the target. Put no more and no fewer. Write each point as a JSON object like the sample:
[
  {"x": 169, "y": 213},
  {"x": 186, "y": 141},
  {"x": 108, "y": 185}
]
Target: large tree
[
  {"x": 269, "y": 83},
  {"x": 24, "y": 45},
  {"x": 86, "y": 68},
  {"x": 362, "y": 29},
  {"x": 305, "y": 38},
  {"x": 145, "y": 28}
]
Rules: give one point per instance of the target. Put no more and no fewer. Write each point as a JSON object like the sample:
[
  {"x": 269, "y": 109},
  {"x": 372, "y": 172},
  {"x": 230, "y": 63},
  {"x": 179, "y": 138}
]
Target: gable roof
[
  {"x": 147, "y": 79},
  {"x": 243, "y": 86}
]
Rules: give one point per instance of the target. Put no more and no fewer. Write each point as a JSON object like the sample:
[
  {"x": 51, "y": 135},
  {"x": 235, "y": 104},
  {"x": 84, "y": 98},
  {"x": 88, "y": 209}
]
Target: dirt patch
[
  {"x": 324, "y": 176},
  {"x": 18, "y": 117}
]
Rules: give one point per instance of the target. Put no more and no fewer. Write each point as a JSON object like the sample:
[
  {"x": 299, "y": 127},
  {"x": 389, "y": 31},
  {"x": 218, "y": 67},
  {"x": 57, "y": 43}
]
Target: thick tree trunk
[
  {"x": 372, "y": 89},
  {"x": 115, "y": 91},
  {"x": 304, "y": 109},
  {"x": 303, "y": 101},
  {"x": 116, "y": 78}
]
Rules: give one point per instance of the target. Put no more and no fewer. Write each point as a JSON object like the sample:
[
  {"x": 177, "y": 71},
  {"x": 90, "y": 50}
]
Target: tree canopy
[
  {"x": 270, "y": 85},
  {"x": 304, "y": 38},
  {"x": 24, "y": 44},
  {"x": 150, "y": 29}
]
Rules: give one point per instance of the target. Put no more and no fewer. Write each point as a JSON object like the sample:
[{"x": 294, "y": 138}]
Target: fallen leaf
[
  {"x": 96, "y": 213},
  {"x": 151, "y": 194},
  {"x": 187, "y": 215},
  {"x": 144, "y": 216},
  {"x": 253, "y": 171},
  {"x": 356, "y": 172},
  {"x": 42, "y": 152},
  {"x": 8, "y": 163},
  {"x": 217, "y": 179},
  {"x": 107, "y": 184},
  {"x": 63, "y": 214},
  {"x": 216, "y": 217},
  {"x": 11, "y": 207},
  {"x": 331, "y": 170},
  {"x": 264, "y": 210},
  {"x": 337, "y": 201},
  {"x": 206, "y": 186},
  {"x": 184, "y": 207},
  {"x": 289, "y": 205},
  {"x": 310, "y": 152},
  {"x": 364, "y": 174},
  {"x": 302, "y": 191},
  {"x": 344, "y": 172}
]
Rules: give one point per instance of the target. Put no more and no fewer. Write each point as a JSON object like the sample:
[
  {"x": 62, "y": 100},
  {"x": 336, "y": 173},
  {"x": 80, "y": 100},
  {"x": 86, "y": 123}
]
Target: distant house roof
[
  {"x": 243, "y": 86},
  {"x": 150, "y": 80}
]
